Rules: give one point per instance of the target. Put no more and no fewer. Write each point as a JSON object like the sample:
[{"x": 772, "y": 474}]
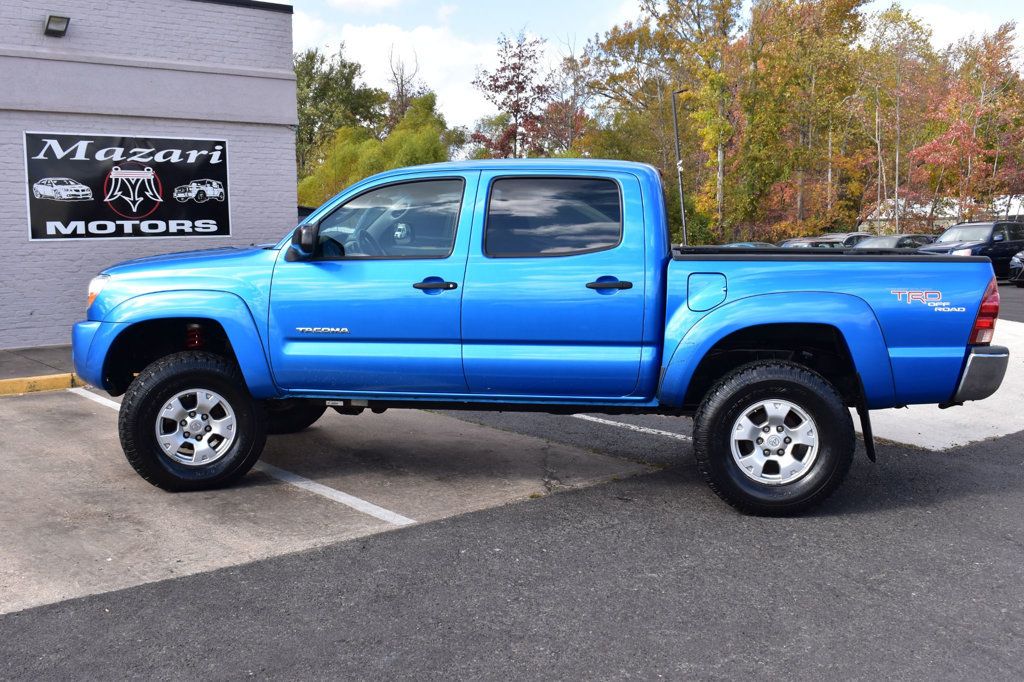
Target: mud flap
[{"x": 865, "y": 421}]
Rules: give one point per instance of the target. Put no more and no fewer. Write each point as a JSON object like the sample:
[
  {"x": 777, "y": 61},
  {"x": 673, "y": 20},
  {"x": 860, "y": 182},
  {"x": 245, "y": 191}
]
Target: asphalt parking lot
[{"x": 491, "y": 545}]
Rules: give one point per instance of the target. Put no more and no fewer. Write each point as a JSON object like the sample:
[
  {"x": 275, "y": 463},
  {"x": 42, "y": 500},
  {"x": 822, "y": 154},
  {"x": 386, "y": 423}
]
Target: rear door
[{"x": 554, "y": 295}]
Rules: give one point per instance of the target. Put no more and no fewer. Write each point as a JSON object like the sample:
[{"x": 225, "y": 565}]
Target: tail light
[{"x": 985, "y": 324}]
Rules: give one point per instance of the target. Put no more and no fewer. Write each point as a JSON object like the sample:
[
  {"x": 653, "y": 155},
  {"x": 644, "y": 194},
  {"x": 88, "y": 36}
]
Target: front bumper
[
  {"x": 90, "y": 341},
  {"x": 983, "y": 373}
]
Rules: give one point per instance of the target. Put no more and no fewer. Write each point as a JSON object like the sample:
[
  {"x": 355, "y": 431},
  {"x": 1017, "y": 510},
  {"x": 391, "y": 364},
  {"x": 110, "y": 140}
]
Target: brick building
[{"x": 115, "y": 136}]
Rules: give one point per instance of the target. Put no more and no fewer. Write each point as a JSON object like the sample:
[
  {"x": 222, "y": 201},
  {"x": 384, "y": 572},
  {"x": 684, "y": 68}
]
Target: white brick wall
[
  {"x": 42, "y": 284},
  {"x": 170, "y": 30}
]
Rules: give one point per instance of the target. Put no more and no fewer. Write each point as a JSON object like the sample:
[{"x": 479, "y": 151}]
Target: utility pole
[{"x": 679, "y": 162}]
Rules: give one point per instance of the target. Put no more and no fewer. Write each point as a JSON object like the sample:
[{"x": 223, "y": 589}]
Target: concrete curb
[{"x": 48, "y": 382}]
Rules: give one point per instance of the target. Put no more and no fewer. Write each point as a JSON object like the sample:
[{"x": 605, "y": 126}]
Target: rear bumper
[{"x": 983, "y": 373}]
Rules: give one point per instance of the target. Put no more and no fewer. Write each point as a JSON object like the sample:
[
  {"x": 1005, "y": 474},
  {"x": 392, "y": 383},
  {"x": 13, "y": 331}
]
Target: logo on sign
[{"x": 127, "y": 189}]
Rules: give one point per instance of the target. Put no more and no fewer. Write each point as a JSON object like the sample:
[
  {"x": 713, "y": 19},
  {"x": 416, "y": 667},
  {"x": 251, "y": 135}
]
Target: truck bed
[{"x": 906, "y": 317}]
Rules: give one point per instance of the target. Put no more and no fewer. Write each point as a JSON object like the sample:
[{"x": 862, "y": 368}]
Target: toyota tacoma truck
[{"x": 533, "y": 285}]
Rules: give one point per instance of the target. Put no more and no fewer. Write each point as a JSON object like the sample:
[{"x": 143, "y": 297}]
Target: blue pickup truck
[{"x": 534, "y": 285}]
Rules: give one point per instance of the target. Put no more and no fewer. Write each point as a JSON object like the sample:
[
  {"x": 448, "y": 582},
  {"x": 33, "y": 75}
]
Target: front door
[
  {"x": 554, "y": 299},
  {"x": 377, "y": 310}
]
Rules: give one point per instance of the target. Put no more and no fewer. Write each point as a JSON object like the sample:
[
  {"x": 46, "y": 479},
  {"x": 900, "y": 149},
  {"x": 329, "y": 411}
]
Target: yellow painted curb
[{"x": 49, "y": 382}]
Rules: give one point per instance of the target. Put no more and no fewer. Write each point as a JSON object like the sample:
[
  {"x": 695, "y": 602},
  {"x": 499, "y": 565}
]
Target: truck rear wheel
[
  {"x": 292, "y": 415},
  {"x": 187, "y": 422},
  {"x": 773, "y": 438}
]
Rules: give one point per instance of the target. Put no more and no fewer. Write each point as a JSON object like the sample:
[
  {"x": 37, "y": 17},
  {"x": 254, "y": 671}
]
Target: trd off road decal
[{"x": 101, "y": 186}]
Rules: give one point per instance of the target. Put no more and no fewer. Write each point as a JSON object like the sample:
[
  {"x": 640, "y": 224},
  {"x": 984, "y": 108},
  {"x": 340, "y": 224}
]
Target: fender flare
[
  {"x": 850, "y": 315},
  {"x": 227, "y": 309}
]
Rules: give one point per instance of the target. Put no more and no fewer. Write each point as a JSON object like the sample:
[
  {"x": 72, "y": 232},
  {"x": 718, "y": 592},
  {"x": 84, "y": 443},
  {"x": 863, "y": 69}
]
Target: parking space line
[
  {"x": 633, "y": 427},
  {"x": 352, "y": 501},
  {"x": 95, "y": 398},
  {"x": 306, "y": 484}
]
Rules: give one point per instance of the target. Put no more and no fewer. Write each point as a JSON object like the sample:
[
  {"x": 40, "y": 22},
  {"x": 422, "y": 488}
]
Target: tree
[
  {"x": 329, "y": 96},
  {"x": 355, "y": 152},
  {"x": 405, "y": 87},
  {"x": 518, "y": 87},
  {"x": 699, "y": 34}
]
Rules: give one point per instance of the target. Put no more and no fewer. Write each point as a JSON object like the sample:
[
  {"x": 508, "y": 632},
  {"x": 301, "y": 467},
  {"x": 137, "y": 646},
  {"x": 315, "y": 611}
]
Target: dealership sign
[{"x": 103, "y": 186}]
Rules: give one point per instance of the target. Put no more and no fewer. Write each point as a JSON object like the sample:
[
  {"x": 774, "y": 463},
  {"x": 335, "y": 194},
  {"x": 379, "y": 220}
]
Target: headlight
[
  {"x": 96, "y": 285},
  {"x": 963, "y": 252}
]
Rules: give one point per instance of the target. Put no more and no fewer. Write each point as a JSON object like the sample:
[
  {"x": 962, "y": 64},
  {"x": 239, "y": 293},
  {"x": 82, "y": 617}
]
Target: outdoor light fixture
[{"x": 56, "y": 26}]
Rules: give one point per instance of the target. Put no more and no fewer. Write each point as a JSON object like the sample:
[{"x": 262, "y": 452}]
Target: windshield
[
  {"x": 64, "y": 181},
  {"x": 878, "y": 243},
  {"x": 966, "y": 233}
]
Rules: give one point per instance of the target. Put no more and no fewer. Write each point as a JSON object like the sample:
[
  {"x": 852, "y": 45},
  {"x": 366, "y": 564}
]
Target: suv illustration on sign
[
  {"x": 61, "y": 189},
  {"x": 200, "y": 191}
]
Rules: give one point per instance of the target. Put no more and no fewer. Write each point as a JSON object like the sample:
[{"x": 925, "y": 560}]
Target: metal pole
[{"x": 679, "y": 165}]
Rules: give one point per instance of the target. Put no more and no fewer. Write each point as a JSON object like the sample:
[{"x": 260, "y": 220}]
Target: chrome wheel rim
[
  {"x": 774, "y": 442},
  {"x": 196, "y": 427}
]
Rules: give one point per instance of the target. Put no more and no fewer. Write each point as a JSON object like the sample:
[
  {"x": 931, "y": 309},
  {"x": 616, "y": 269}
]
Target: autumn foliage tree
[
  {"x": 518, "y": 86},
  {"x": 795, "y": 116}
]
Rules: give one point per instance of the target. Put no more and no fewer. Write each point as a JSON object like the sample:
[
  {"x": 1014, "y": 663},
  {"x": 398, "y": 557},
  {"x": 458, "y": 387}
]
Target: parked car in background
[
  {"x": 848, "y": 238},
  {"x": 1017, "y": 269},
  {"x": 896, "y": 241},
  {"x": 749, "y": 245},
  {"x": 815, "y": 243},
  {"x": 1000, "y": 241}
]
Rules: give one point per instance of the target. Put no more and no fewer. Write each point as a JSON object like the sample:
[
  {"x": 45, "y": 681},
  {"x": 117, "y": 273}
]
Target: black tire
[
  {"x": 160, "y": 382},
  {"x": 292, "y": 415},
  {"x": 1020, "y": 284},
  {"x": 742, "y": 388},
  {"x": 200, "y": 196}
]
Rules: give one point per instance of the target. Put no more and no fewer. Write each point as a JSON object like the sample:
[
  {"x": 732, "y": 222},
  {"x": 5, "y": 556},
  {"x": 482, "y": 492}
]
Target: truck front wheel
[
  {"x": 187, "y": 422},
  {"x": 773, "y": 438}
]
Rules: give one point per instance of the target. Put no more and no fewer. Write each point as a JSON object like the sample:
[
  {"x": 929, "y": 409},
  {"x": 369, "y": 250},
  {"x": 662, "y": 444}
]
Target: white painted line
[
  {"x": 306, "y": 484},
  {"x": 106, "y": 402},
  {"x": 633, "y": 427},
  {"x": 336, "y": 495}
]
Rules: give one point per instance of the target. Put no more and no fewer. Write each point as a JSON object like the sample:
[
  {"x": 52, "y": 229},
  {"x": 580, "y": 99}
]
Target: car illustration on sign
[
  {"x": 200, "y": 191},
  {"x": 61, "y": 189}
]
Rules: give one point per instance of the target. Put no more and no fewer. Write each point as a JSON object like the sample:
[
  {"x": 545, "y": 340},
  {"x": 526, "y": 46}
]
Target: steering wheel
[{"x": 368, "y": 243}]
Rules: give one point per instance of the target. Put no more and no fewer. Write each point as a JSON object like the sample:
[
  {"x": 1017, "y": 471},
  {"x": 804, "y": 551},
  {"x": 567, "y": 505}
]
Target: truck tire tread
[
  {"x": 745, "y": 375},
  {"x": 140, "y": 391}
]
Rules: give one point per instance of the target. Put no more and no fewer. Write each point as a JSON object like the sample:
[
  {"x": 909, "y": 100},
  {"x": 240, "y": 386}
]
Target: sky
[{"x": 451, "y": 39}]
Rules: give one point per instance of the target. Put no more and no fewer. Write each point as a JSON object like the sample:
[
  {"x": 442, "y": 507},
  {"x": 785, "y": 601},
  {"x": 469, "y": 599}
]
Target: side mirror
[
  {"x": 304, "y": 240},
  {"x": 999, "y": 237}
]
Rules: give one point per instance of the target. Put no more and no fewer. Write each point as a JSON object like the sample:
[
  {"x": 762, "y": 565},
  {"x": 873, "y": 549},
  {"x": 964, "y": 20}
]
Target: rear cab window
[{"x": 536, "y": 217}]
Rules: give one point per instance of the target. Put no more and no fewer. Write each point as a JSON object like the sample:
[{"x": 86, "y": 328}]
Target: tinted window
[
  {"x": 966, "y": 233},
  {"x": 877, "y": 243},
  {"x": 552, "y": 216},
  {"x": 1014, "y": 231},
  {"x": 408, "y": 220}
]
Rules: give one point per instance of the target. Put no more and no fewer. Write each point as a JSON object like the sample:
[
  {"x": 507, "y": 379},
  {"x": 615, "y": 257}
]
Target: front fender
[
  {"x": 851, "y": 315},
  {"x": 227, "y": 309}
]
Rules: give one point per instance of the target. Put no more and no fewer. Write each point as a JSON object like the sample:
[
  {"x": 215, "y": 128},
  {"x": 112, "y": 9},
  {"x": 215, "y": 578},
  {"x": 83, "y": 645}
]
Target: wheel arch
[
  {"x": 151, "y": 326},
  {"x": 834, "y": 334}
]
